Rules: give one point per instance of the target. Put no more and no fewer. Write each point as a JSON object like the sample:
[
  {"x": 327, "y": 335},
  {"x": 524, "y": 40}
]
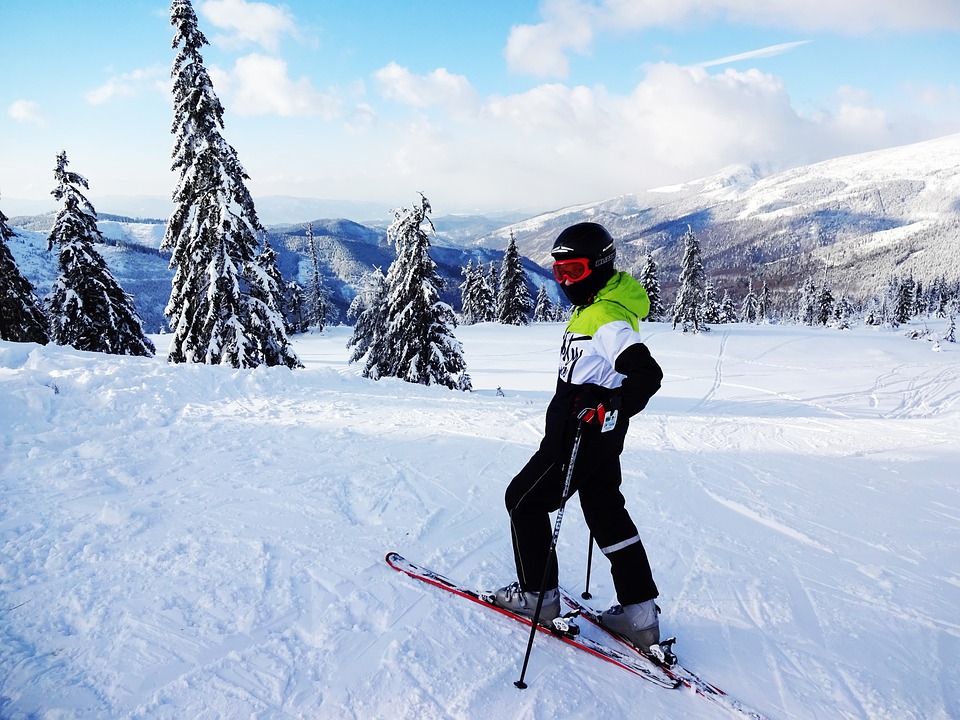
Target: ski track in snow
[{"x": 186, "y": 541}]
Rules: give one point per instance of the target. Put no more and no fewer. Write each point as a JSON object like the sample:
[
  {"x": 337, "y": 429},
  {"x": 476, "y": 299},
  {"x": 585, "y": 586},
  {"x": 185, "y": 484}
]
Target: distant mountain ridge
[
  {"x": 347, "y": 251},
  {"x": 859, "y": 219},
  {"x": 855, "y": 221}
]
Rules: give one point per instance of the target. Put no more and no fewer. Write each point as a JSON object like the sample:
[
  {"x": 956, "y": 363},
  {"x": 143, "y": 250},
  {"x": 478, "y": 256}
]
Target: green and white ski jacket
[{"x": 602, "y": 357}]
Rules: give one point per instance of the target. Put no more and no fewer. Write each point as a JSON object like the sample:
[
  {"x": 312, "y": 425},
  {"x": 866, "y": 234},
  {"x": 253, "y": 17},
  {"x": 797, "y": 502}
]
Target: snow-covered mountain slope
[
  {"x": 862, "y": 218},
  {"x": 199, "y": 542}
]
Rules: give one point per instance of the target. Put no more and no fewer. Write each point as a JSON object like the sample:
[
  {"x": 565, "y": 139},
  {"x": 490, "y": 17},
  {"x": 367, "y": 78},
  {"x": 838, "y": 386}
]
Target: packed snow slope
[{"x": 199, "y": 542}]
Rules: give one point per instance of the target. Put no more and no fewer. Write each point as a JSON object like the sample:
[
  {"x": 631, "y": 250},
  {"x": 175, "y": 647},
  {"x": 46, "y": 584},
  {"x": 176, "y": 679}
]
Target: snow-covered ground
[{"x": 197, "y": 542}]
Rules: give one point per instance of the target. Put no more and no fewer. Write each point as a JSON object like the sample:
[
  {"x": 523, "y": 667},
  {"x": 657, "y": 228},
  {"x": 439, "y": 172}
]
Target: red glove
[{"x": 592, "y": 415}]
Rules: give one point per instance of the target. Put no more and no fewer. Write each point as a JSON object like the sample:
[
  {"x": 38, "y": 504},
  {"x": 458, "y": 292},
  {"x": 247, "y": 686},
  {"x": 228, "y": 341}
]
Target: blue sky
[{"x": 482, "y": 106}]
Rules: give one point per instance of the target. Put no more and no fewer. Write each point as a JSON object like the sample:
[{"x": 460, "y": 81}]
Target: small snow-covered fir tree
[
  {"x": 763, "y": 304},
  {"x": 513, "y": 299},
  {"x": 219, "y": 309},
  {"x": 268, "y": 335},
  {"x": 368, "y": 312},
  {"x": 750, "y": 307},
  {"x": 419, "y": 342},
  {"x": 296, "y": 314},
  {"x": 823, "y": 310},
  {"x": 651, "y": 283},
  {"x": 727, "y": 312},
  {"x": 807, "y": 303},
  {"x": 21, "y": 316},
  {"x": 842, "y": 312},
  {"x": 951, "y": 334},
  {"x": 315, "y": 297},
  {"x": 693, "y": 285},
  {"x": 486, "y": 293},
  {"x": 470, "y": 313},
  {"x": 87, "y": 308},
  {"x": 710, "y": 310},
  {"x": 903, "y": 300},
  {"x": 544, "y": 310}
]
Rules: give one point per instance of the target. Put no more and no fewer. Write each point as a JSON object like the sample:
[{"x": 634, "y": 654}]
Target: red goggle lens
[{"x": 571, "y": 270}]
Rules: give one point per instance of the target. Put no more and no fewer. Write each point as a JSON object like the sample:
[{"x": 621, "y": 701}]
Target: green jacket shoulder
[{"x": 622, "y": 298}]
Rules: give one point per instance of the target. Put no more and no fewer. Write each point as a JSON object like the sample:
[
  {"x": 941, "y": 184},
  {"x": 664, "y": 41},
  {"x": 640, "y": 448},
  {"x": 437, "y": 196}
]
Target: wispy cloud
[
  {"x": 439, "y": 87},
  {"x": 26, "y": 111},
  {"x": 771, "y": 51},
  {"x": 129, "y": 84},
  {"x": 249, "y": 22},
  {"x": 261, "y": 85}
]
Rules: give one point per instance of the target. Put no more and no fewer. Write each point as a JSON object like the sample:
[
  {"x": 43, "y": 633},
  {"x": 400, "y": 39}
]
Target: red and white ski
[
  {"x": 684, "y": 677},
  {"x": 629, "y": 661}
]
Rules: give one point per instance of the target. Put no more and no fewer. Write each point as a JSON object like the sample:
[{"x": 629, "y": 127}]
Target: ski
[
  {"x": 566, "y": 632},
  {"x": 675, "y": 670}
]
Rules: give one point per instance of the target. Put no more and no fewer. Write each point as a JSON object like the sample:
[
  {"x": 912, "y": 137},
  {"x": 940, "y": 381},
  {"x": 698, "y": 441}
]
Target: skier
[{"x": 607, "y": 375}]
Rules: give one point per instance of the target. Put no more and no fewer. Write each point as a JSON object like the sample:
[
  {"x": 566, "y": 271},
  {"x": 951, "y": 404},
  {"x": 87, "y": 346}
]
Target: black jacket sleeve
[{"x": 642, "y": 378}]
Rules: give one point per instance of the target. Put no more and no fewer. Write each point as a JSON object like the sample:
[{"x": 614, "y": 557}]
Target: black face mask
[{"x": 581, "y": 293}]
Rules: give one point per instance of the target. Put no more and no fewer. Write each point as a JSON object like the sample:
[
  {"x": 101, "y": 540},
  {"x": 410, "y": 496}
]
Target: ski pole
[
  {"x": 553, "y": 548},
  {"x": 586, "y": 589}
]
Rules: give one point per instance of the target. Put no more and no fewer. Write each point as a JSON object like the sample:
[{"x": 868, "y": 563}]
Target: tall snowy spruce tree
[
  {"x": 87, "y": 309},
  {"x": 224, "y": 308},
  {"x": 21, "y": 316},
  {"x": 688, "y": 309},
  {"x": 418, "y": 344},
  {"x": 513, "y": 300}
]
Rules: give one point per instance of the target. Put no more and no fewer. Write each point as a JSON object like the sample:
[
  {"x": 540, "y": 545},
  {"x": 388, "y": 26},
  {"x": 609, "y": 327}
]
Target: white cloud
[
  {"x": 249, "y": 22},
  {"x": 260, "y": 85},
  {"x": 555, "y": 144},
  {"x": 541, "y": 50},
  {"x": 129, "y": 85},
  {"x": 439, "y": 87},
  {"x": 26, "y": 111},
  {"x": 571, "y": 25}
]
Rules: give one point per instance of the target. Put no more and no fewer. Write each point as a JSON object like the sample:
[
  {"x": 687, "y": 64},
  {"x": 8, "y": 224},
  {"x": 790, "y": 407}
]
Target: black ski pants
[{"x": 537, "y": 490}]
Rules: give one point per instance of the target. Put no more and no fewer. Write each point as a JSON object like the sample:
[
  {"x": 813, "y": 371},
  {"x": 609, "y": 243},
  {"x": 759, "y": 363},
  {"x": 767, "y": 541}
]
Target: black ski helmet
[{"x": 592, "y": 242}]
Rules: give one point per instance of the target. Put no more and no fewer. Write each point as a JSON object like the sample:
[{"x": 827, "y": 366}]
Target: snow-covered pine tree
[
  {"x": 368, "y": 312},
  {"x": 486, "y": 293},
  {"x": 87, "y": 308},
  {"x": 951, "y": 334},
  {"x": 824, "y": 305},
  {"x": 21, "y": 316},
  {"x": 316, "y": 295},
  {"x": 693, "y": 285},
  {"x": 420, "y": 345},
  {"x": 903, "y": 300},
  {"x": 651, "y": 283},
  {"x": 218, "y": 310},
  {"x": 807, "y": 303},
  {"x": 469, "y": 312},
  {"x": 544, "y": 310},
  {"x": 749, "y": 308},
  {"x": 763, "y": 304},
  {"x": 513, "y": 300},
  {"x": 265, "y": 303},
  {"x": 710, "y": 310},
  {"x": 727, "y": 312},
  {"x": 296, "y": 309},
  {"x": 842, "y": 312}
]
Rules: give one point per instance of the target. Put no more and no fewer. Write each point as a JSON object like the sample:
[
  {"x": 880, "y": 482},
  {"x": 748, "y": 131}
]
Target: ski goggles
[{"x": 571, "y": 271}]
